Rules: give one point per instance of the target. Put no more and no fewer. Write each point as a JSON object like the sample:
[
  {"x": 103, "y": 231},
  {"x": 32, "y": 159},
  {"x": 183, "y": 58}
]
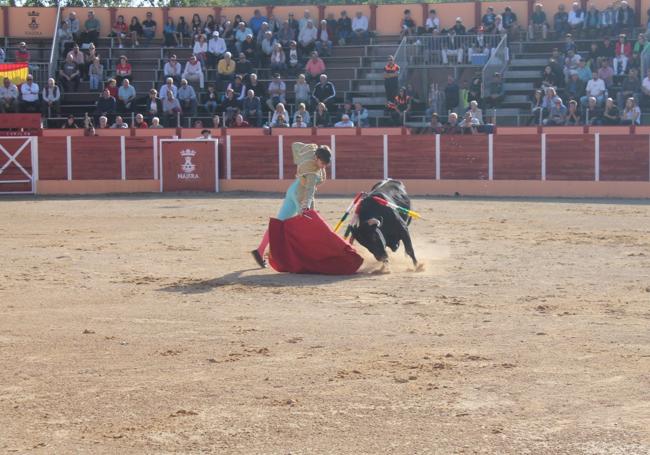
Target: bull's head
[{"x": 369, "y": 234}]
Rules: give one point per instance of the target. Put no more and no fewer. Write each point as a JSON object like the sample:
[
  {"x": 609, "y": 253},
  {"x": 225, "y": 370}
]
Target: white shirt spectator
[
  {"x": 576, "y": 18},
  {"x": 193, "y": 71},
  {"x": 308, "y": 35},
  {"x": 344, "y": 123},
  {"x": 186, "y": 92},
  {"x": 217, "y": 46},
  {"x": 165, "y": 88},
  {"x": 432, "y": 23},
  {"x": 29, "y": 92},
  {"x": 646, "y": 84},
  {"x": 52, "y": 95},
  {"x": 172, "y": 70},
  {"x": 11, "y": 92},
  {"x": 595, "y": 87},
  {"x": 200, "y": 48},
  {"x": 360, "y": 23},
  {"x": 302, "y": 124}
]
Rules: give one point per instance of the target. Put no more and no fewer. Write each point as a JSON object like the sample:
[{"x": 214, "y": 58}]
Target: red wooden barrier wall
[
  {"x": 624, "y": 158},
  {"x": 517, "y": 157},
  {"x": 464, "y": 157}
]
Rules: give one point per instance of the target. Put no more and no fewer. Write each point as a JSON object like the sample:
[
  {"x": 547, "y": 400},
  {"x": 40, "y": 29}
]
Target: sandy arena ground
[{"x": 139, "y": 325}]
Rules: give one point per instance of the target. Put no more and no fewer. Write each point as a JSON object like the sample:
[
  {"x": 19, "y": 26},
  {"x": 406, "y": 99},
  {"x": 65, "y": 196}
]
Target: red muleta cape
[{"x": 306, "y": 244}]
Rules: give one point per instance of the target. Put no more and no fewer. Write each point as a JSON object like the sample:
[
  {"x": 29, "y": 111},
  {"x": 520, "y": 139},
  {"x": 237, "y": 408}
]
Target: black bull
[{"x": 380, "y": 226}]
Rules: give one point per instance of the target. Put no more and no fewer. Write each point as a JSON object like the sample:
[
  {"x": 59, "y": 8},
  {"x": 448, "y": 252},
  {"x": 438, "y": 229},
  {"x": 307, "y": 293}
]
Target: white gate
[{"x": 18, "y": 165}]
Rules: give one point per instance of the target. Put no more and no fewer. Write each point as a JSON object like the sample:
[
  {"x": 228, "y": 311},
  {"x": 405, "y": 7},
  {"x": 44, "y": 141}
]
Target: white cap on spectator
[
  {"x": 215, "y": 33},
  {"x": 458, "y": 19}
]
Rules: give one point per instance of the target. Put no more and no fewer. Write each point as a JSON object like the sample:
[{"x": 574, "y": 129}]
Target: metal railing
[
  {"x": 55, "y": 51},
  {"x": 447, "y": 49},
  {"x": 498, "y": 63},
  {"x": 401, "y": 61}
]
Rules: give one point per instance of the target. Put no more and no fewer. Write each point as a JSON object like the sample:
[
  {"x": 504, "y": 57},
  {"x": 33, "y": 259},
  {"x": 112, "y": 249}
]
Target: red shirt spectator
[
  {"x": 123, "y": 69},
  {"x": 112, "y": 88},
  {"x": 22, "y": 54},
  {"x": 623, "y": 47},
  {"x": 315, "y": 66}
]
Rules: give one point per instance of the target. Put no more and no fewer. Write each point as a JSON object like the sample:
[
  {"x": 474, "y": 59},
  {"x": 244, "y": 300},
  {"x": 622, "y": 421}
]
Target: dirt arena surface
[{"x": 136, "y": 325}]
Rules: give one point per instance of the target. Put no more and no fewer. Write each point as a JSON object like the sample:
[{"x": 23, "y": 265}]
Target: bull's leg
[{"x": 408, "y": 245}]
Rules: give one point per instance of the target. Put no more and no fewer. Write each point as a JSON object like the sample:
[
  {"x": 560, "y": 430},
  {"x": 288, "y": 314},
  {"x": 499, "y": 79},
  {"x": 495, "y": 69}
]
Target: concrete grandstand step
[
  {"x": 374, "y": 76},
  {"x": 514, "y": 99},
  {"x": 518, "y": 86},
  {"x": 528, "y": 62},
  {"x": 370, "y": 100},
  {"x": 365, "y": 88},
  {"x": 522, "y": 74}
]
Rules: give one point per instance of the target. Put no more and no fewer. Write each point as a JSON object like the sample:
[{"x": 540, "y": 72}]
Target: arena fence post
[
  {"x": 385, "y": 156},
  {"x": 333, "y": 148},
  {"x": 228, "y": 159},
  {"x": 68, "y": 146},
  {"x": 123, "y": 156},
  {"x": 35, "y": 177},
  {"x": 216, "y": 165},
  {"x": 155, "y": 158},
  {"x": 280, "y": 157},
  {"x": 437, "y": 157},
  {"x": 543, "y": 139},
  {"x": 597, "y": 157},
  {"x": 490, "y": 157}
]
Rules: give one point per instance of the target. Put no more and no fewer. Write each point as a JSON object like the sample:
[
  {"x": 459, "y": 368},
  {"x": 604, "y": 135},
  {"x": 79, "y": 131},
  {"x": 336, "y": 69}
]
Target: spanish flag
[{"x": 17, "y": 72}]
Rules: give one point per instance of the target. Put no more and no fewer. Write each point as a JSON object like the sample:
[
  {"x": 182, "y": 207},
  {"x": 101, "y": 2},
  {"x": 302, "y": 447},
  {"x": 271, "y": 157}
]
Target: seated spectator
[
  {"x": 557, "y": 114},
  {"x": 170, "y": 34},
  {"x": 194, "y": 72},
  {"x": 211, "y": 100},
  {"x": 29, "y": 91},
  {"x": 307, "y": 38},
  {"x": 488, "y": 21},
  {"x": 476, "y": 112},
  {"x": 153, "y": 105},
  {"x": 610, "y": 113},
  {"x": 8, "y": 96},
  {"x": 216, "y": 121},
  {"x": 226, "y": 69},
  {"x": 119, "y": 31},
  {"x": 344, "y": 28},
  {"x": 102, "y": 123},
  {"x": 345, "y": 122},
  {"x": 631, "y": 114},
  {"x": 595, "y": 88},
  {"x": 64, "y": 35},
  {"x": 168, "y": 86},
  {"x": 496, "y": 92},
  {"x": 469, "y": 124},
  {"x": 549, "y": 78},
  {"x": 538, "y": 24},
  {"x": 209, "y": 26},
  {"x": 123, "y": 70},
  {"x": 239, "y": 122},
  {"x": 91, "y": 29},
  {"x": 196, "y": 26},
  {"x": 298, "y": 122},
  {"x": 572, "y": 115},
  {"x": 96, "y": 74},
  {"x": 277, "y": 91},
  {"x": 229, "y": 106},
  {"x": 252, "y": 109},
  {"x": 606, "y": 73},
  {"x": 139, "y": 122},
  {"x": 249, "y": 48},
  {"x": 607, "y": 20},
  {"x": 435, "y": 126},
  {"x": 69, "y": 75},
  {"x": 51, "y": 97},
  {"x": 241, "y": 34},
  {"x": 592, "y": 23},
  {"x": 432, "y": 24},
  {"x": 583, "y": 71},
  {"x": 400, "y": 107},
  {"x": 135, "y": 31},
  {"x": 302, "y": 112},
  {"x": 278, "y": 59},
  {"x": 171, "y": 110},
  {"x": 200, "y": 48},
  {"x": 155, "y": 123},
  {"x": 360, "y": 33},
  {"x": 267, "y": 44},
  {"x": 238, "y": 88},
  {"x": 360, "y": 116},
  {"x": 119, "y": 123},
  {"x": 509, "y": 20},
  {"x": 569, "y": 44},
  {"x": 451, "y": 45},
  {"x": 536, "y": 108},
  {"x": 257, "y": 20},
  {"x": 631, "y": 87},
  {"x": 550, "y": 98},
  {"x": 257, "y": 87},
  {"x": 321, "y": 116},
  {"x": 78, "y": 58},
  {"x": 592, "y": 113},
  {"x": 126, "y": 97},
  {"x": 280, "y": 122},
  {"x": 90, "y": 131},
  {"x": 279, "y": 110},
  {"x": 106, "y": 104},
  {"x": 302, "y": 91},
  {"x": 216, "y": 49},
  {"x": 575, "y": 88},
  {"x": 315, "y": 67},
  {"x": 286, "y": 34},
  {"x": 576, "y": 19},
  {"x": 324, "y": 92},
  {"x": 70, "y": 123},
  {"x": 302, "y": 23},
  {"x": 173, "y": 70},
  {"x": 625, "y": 18},
  {"x": 324, "y": 38},
  {"x": 407, "y": 25},
  {"x": 149, "y": 27},
  {"x": 293, "y": 58},
  {"x": 73, "y": 25},
  {"x": 623, "y": 46},
  {"x": 243, "y": 66},
  {"x": 452, "y": 126},
  {"x": 187, "y": 98}
]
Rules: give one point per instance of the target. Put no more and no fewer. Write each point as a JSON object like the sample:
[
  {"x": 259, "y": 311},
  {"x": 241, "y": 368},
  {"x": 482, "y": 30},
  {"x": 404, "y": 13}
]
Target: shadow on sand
[{"x": 261, "y": 280}]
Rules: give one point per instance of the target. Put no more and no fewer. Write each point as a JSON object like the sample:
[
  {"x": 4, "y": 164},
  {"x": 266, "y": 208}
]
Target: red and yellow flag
[{"x": 17, "y": 72}]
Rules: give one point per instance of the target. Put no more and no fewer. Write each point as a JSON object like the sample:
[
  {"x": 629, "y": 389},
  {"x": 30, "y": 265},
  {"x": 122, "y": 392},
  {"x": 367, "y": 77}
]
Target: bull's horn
[{"x": 373, "y": 222}]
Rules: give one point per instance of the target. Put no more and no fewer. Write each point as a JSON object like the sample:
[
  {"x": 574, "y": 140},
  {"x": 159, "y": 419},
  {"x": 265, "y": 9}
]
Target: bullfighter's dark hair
[{"x": 324, "y": 154}]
